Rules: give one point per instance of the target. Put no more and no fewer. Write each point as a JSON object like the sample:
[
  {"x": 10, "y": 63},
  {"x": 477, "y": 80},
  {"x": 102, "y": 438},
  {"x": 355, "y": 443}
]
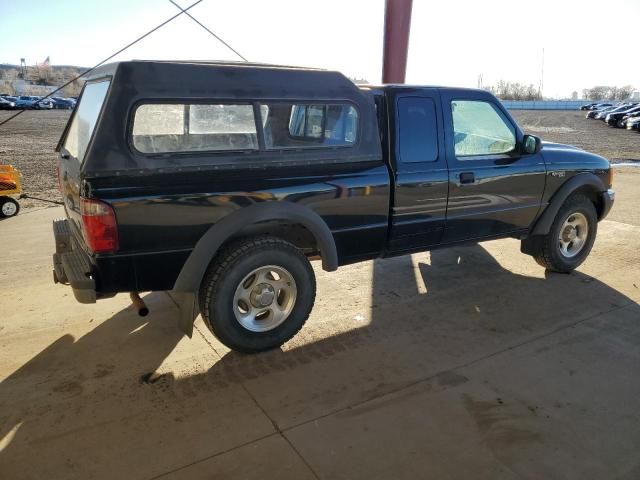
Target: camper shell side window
[{"x": 161, "y": 128}]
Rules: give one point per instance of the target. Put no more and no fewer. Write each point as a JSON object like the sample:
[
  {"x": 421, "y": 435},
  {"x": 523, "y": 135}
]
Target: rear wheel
[
  {"x": 571, "y": 236},
  {"x": 257, "y": 294},
  {"x": 8, "y": 207}
]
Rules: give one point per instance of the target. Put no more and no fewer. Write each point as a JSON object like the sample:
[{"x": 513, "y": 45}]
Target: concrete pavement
[{"x": 469, "y": 362}]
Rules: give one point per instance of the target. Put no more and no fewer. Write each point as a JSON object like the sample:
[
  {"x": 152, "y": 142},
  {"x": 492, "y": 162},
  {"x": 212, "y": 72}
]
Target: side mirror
[{"x": 531, "y": 144}]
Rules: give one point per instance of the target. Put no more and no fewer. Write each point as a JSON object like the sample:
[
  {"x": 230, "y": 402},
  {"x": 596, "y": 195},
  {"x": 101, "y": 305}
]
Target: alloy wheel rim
[
  {"x": 573, "y": 234},
  {"x": 264, "y": 298}
]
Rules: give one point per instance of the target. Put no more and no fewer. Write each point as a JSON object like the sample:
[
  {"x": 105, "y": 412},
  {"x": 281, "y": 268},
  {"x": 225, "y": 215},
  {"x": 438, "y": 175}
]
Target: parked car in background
[
  {"x": 6, "y": 104},
  {"x": 613, "y": 119},
  {"x": 43, "y": 104},
  {"x": 622, "y": 122},
  {"x": 25, "y": 101},
  {"x": 60, "y": 103},
  {"x": 31, "y": 102},
  {"x": 633, "y": 123},
  {"x": 595, "y": 106},
  {"x": 602, "y": 115},
  {"x": 594, "y": 112}
]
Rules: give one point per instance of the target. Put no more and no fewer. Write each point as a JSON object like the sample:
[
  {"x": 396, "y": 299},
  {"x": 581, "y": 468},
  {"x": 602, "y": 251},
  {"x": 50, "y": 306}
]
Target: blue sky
[{"x": 452, "y": 42}]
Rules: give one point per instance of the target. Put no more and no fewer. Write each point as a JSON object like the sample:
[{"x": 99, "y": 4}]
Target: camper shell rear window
[{"x": 85, "y": 118}]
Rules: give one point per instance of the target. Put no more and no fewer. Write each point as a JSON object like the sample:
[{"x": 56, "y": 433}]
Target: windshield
[{"x": 85, "y": 118}]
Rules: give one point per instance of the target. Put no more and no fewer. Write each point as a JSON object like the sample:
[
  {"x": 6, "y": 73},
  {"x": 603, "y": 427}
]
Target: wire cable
[
  {"x": 214, "y": 35},
  {"x": 110, "y": 57}
]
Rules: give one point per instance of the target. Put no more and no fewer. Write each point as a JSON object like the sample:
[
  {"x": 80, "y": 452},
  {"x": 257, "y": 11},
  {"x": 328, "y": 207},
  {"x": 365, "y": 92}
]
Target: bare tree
[
  {"x": 625, "y": 92},
  {"x": 603, "y": 92},
  {"x": 598, "y": 93},
  {"x": 514, "y": 91}
]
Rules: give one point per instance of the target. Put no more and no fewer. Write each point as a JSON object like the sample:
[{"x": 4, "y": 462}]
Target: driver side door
[{"x": 494, "y": 188}]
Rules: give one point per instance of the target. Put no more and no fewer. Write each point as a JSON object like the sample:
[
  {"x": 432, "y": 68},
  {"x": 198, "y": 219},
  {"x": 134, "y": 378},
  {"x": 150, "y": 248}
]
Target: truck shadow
[{"x": 103, "y": 403}]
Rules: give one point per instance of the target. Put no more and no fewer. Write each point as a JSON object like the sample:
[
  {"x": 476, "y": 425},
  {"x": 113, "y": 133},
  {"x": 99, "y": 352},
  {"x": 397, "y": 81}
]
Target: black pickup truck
[{"x": 218, "y": 182}]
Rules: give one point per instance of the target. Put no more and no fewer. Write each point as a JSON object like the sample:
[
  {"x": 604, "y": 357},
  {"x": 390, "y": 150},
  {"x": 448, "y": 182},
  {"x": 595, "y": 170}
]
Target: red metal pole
[{"x": 397, "y": 23}]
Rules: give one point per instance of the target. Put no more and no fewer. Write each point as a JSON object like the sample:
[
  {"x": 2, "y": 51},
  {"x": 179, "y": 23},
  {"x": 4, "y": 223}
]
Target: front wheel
[
  {"x": 571, "y": 236},
  {"x": 257, "y": 294}
]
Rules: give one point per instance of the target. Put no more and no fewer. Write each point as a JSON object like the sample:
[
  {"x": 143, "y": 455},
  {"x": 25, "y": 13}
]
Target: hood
[
  {"x": 561, "y": 153},
  {"x": 548, "y": 146}
]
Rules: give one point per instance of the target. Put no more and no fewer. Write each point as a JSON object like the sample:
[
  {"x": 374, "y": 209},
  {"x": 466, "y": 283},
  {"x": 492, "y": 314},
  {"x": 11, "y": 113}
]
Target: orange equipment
[{"x": 10, "y": 184}]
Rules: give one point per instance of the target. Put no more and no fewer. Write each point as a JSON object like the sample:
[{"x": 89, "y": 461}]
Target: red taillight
[{"x": 99, "y": 226}]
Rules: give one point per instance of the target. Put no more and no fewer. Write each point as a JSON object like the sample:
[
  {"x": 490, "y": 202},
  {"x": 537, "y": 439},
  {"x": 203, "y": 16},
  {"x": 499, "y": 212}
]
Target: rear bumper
[
  {"x": 71, "y": 265},
  {"x": 608, "y": 198},
  {"x": 103, "y": 276}
]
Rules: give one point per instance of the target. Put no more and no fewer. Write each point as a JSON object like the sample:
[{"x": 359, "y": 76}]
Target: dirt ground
[{"x": 28, "y": 142}]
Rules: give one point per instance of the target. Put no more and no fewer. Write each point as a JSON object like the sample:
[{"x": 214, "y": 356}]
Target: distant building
[
  {"x": 574, "y": 95},
  {"x": 635, "y": 95},
  {"x": 23, "y": 87}
]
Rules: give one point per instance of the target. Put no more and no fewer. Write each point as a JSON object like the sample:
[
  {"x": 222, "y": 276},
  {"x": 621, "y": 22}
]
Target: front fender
[
  {"x": 187, "y": 284},
  {"x": 543, "y": 225}
]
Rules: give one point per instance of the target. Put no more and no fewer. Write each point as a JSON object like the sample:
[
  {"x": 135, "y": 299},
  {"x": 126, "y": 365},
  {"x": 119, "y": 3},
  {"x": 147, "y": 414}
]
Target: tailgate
[{"x": 69, "y": 175}]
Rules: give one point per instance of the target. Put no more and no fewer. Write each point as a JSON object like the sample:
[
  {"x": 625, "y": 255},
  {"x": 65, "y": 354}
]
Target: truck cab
[
  {"x": 461, "y": 172},
  {"x": 220, "y": 182}
]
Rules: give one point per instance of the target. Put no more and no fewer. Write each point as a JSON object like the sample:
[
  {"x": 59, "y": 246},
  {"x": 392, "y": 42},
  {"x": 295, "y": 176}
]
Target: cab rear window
[
  {"x": 167, "y": 128},
  {"x": 85, "y": 118},
  {"x": 307, "y": 125}
]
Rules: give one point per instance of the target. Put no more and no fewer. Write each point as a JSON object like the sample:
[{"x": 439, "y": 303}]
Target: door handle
[{"x": 467, "y": 178}]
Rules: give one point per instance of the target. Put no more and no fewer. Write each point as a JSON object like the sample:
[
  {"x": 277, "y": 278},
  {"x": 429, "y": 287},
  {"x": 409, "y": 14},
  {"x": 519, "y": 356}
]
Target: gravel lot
[
  {"x": 571, "y": 127},
  {"x": 28, "y": 142}
]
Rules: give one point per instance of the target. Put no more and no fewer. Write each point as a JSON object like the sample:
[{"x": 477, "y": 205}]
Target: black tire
[
  {"x": 549, "y": 254},
  {"x": 231, "y": 266},
  {"x": 14, "y": 209}
]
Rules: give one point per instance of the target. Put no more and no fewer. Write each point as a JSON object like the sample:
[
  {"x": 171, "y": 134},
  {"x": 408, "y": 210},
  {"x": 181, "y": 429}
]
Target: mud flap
[
  {"x": 187, "y": 304},
  {"x": 532, "y": 244}
]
